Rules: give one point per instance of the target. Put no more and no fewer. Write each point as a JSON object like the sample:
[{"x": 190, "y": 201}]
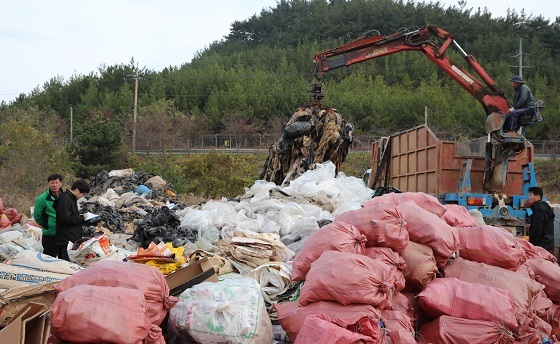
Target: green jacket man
[{"x": 45, "y": 215}]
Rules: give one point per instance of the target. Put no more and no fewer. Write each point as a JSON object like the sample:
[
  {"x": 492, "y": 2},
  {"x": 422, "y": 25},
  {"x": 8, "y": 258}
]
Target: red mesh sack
[
  {"x": 526, "y": 271},
  {"x": 541, "y": 304},
  {"x": 382, "y": 224},
  {"x": 490, "y": 245},
  {"x": 292, "y": 315},
  {"x": 522, "y": 289},
  {"x": 399, "y": 326},
  {"x": 535, "y": 252},
  {"x": 552, "y": 317},
  {"x": 387, "y": 255},
  {"x": 4, "y": 221},
  {"x": 13, "y": 215},
  {"x": 428, "y": 229},
  {"x": 547, "y": 273},
  {"x": 419, "y": 317},
  {"x": 149, "y": 280},
  {"x": 402, "y": 304},
  {"x": 340, "y": 236},
  {"x": 421, "y": 266},
  {"x": 322, "y": 329},
  {"x": 458, "y": 216},
  {"x": 391, "y": 258},
  {"x": 91, "y": 314},
  {"x": 450, "y": 330},
  {"x": 453, "y": 297},
  {"x": 533, "y": 330},
  {"x": 348, "y": 278},
  {"x": 423, "y": 200}
]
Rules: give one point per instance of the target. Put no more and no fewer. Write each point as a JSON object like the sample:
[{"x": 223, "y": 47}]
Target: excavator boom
[
  {"x": 374, "y": 45},
  {"x": 434, "y": 42}
]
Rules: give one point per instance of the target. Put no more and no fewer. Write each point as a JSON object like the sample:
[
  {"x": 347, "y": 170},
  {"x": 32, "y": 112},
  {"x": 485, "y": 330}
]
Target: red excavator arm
[
  {"x": 433, "y": 42},
  {"x": 373, "y": 45}
]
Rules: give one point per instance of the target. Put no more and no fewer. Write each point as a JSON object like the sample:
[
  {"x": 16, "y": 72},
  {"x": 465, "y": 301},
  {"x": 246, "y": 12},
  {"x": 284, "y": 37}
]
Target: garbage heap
[
  {"x": 124, "y": 198},
  {"x": 399, "y": 268},
  {"x": 313, "y": 135}
]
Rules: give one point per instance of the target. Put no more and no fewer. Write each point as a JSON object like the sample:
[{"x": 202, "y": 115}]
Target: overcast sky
[{"x": 41, "y": 39}]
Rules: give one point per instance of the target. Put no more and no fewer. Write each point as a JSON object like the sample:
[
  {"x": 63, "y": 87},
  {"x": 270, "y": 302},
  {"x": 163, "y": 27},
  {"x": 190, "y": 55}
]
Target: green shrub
[
  {"x": 356, "y": 164},
  {"x": 220, "y": 175}
]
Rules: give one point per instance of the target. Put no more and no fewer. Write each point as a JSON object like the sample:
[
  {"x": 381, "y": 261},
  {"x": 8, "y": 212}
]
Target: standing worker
[
  {"x": 541, "y": 230},
  {"x": 68, "y": 219},
  {"x": 523, "y": 103},
  {"x": 45, "y": 215}
]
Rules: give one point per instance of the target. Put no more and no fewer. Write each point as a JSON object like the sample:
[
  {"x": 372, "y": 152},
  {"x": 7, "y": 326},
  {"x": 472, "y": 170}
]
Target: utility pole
[
  {"x": 520, "y": 56},
  {"x": 135, "y": 76},
  {"x": 71, "y": 124}
]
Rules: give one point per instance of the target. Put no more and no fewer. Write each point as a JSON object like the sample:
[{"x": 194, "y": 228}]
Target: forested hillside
[{"x": 255, "y": 78}]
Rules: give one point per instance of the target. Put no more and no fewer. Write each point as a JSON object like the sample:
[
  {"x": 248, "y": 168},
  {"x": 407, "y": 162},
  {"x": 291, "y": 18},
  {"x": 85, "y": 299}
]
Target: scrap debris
[{"x": 313, "y": 135}]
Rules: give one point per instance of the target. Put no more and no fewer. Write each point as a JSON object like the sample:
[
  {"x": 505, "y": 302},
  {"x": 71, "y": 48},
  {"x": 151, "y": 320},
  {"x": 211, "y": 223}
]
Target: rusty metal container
[{"x": 420, "y": 162}]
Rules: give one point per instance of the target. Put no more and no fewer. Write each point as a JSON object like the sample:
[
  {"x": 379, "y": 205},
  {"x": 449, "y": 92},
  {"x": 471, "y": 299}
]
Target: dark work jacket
[
  {"x": 522, "y": 97},
  {"x": 541, "y": 232},
  {"x": 68, "y": 219}
]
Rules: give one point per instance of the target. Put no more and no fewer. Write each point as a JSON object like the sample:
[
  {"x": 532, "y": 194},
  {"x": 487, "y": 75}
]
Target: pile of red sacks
[
  {"x": 8, "y": 216},
  {"x": 406, "y": 269}
]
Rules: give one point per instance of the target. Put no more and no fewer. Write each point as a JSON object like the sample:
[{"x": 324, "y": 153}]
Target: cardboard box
[
  {"x": 15, "y": 299},
  {"x": 195, "y": 273},
  {"x": 31, "y": 325}
]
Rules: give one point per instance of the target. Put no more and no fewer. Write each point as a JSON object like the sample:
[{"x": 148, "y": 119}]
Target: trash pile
[
  {"x": 123, "y": 197},
  {"x": 313, "y": 135},
  {"x": 398, "y": 268}
]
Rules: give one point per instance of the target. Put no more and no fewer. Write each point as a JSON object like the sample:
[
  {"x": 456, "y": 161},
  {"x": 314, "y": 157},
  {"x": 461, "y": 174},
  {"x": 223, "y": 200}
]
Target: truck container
[{"x": 415, "y": 160}]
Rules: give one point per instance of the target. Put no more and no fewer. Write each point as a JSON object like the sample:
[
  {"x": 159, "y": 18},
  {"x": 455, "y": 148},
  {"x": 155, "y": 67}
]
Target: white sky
[{"x": 41, "y": 39}]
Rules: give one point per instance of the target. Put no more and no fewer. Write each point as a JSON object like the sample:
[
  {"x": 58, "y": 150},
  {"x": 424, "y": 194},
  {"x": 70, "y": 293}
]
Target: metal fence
[
  {"x": 547, "y": 147},
  {"x": 221, "y": 141}
]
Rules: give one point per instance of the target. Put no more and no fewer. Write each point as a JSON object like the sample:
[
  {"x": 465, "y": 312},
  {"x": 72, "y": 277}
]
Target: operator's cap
[{"x": 517, "y": 78}]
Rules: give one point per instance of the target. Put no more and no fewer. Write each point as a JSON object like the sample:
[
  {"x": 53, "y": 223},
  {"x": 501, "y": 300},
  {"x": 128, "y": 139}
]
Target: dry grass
[
  {"x": 548, "y": 178},
  {"x": 191, "y": 199},
  {"x": 21, "y": 202}
]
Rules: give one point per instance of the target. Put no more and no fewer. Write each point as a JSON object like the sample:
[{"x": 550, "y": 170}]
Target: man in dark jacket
[
  {"x": 68, "y": 219},
  {"x": 45, "y": 215},
  {"x": 523, "y": 103},
  {"x": 541, "y": 231}
]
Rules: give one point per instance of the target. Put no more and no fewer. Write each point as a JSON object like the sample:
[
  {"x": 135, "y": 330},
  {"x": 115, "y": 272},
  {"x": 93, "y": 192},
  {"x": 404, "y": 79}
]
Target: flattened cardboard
[
  {"x": 15, "y": 299},
  {"x": 195, "y": 273},
  {"x": 31, "y": 325}
]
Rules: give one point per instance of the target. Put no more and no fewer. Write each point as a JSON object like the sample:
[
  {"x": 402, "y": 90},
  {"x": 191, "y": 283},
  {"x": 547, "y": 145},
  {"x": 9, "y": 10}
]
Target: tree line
[{"x": 251, "y": 82}]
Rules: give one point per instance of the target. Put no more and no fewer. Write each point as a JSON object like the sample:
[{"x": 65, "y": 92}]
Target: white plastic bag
[
  {"x": 321, "y": 185},
  {"x": 274, "y": 279},
  {"x": 230, "y": 311},
  {"x": 93, "y": 250}
]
